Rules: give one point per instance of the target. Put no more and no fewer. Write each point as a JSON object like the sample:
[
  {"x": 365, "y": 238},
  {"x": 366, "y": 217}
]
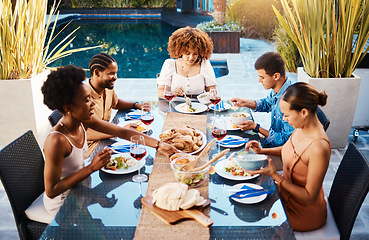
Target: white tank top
[{"x": 71, "y": 164}]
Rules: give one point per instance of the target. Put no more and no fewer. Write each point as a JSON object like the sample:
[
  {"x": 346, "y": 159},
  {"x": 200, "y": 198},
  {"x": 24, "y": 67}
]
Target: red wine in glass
[
  {"x": 138, "y": 152},
  {"x": 169, "y": 96},
  {"x": 215, "y": 100},
  {"x": 219, "y": 133},
  {"x": 147, "y": 119}
]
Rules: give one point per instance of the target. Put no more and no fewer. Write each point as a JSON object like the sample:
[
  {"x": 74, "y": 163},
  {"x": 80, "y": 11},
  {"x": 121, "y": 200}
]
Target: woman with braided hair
[{"x": 188, "y": 71}]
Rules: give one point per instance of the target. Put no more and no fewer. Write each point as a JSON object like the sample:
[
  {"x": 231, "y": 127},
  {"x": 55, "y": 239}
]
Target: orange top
[{"x": 302, "y": 216}]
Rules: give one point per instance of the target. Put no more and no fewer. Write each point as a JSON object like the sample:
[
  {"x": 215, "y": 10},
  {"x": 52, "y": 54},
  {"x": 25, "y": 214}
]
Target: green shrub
[
  {"x": 214, "y": 26},
  {"x": 256, "y": 17},
  {"x": 287, "y": 48}
]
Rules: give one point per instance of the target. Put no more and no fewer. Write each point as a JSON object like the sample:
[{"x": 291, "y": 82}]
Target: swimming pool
[{"x": 138, "y": 45}]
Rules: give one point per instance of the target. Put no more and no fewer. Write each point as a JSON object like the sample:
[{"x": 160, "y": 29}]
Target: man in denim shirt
[{"x": 272, "y": 75}]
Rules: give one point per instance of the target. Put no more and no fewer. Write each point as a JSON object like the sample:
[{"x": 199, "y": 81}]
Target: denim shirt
[{"x": 279, "y": 130}]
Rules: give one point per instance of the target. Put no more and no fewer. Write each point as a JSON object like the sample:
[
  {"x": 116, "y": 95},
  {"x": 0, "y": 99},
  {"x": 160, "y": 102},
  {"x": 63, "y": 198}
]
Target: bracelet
[
  {"x": 256, "y": 129},
  {"x": 278, "y": 183},
  {"x": 134, "y": 105},
  {"x": 157, "y": 145}
]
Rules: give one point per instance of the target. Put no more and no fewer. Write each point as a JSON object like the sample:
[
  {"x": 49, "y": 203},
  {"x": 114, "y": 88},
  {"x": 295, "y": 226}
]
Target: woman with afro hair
[
  {"x": 188, "y": 70},
  {"x": 66, "y": 144}
]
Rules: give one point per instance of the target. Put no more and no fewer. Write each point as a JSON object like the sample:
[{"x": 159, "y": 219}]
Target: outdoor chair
[
  {"x": 323, "y": 119},
  {"x": 21, "y": 173},
  {"x": 54, "y": 117},
  {"x": 349, "y": 189}
]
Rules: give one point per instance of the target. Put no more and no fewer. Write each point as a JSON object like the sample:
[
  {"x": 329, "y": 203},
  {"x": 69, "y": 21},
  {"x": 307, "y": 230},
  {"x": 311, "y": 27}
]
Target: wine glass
[
  {"x": 169, "y": 95},
  {"x": 138, "y": 151},
  {"x": 146, "y": 117},
  {"x": 214, "y": 99},
  {"x": 219, "y": 130}
]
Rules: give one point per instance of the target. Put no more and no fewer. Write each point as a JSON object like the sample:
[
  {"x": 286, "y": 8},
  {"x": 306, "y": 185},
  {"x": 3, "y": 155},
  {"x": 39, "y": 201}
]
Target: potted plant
[
  {"x": 24, "y": 56},
  {"x": 330, "y": 36},
  {"x": 225, "y": 36}
]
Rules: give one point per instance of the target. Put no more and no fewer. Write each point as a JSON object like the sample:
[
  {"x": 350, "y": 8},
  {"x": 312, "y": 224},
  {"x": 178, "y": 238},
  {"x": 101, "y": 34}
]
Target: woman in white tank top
[{"x": 66, "y": 144}]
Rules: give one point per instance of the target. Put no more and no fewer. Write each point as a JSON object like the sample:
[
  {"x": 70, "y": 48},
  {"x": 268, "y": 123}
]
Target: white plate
[
  {"x": 204, "y": 141},
  {"x": 231, "y": 145},
  {"x": 198, "y": 106},
  {"x": 220, "y": 170},
  {"x": 145, "y": 127},
  {"x": 226, "y": 107},
  {"x": 250, "y": 200},
  {"x": 140, "y": 164}
]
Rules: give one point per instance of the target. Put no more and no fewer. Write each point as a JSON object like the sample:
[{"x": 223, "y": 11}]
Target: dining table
[{"x": 109, "y": 206}]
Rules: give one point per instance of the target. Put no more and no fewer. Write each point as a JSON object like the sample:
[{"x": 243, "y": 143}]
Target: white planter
[
  {"x": 22, "y": 109},
  {"x": 341, "y": 103},
  {"x": 361, "y": 119}
]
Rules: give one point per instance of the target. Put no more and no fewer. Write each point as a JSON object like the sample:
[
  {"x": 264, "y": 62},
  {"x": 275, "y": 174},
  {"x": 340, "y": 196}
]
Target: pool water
[{"x": 138, "y": 46}]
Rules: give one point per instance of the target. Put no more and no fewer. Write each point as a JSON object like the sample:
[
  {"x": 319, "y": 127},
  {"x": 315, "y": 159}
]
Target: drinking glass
[
  {"x": 138, "y": 151},
  {"x": 169, "y": 95},
  {"x": 214, "y": 99},
  {"x": 219, "y": 130},
  {"x": 146, "y": 117}
]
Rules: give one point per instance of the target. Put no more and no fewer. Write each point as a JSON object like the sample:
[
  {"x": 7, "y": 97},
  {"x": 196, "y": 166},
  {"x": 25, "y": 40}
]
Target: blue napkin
[
  {"x": 250, "y": 193},
  {"x": 219, "y": 106},
  {"x": 120, "y": 148},
  {"x": 134, "y": 115},
  {"x": 233, "y": 141}
]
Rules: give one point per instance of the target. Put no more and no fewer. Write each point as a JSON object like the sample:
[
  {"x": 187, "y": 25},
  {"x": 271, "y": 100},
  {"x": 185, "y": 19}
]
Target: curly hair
[
  {"x": 190, "y": 38},
  {"x": 61, "y": 86},
  {"x": 271, "y": 62}
]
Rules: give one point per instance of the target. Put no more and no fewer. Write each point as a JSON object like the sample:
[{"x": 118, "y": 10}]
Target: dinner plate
[
  {"x": 226, "y": 107},
  {"x": 249, "y": 200},
  {"x": 145, "y": 127},
  {"x": 220, "y": 170},
  {"x": 198, "y": 106},
  {"x": 139, "y": 165},
  {"x": 231, "y": 145},
  {"x": 204, "y": 141}
]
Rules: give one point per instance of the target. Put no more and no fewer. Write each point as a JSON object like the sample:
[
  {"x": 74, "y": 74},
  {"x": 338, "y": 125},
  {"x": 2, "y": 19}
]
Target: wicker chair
[
  {"x": 349, "y": 189},
  {"x": 54, "y": 117},
  {"x": 323, "y": 119},
  {"x": 21, "y": 172}
]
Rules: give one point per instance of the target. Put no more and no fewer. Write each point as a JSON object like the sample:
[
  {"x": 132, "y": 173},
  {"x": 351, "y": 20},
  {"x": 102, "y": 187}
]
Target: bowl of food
[
  {"x": 185, "y": 157},
  {"x": 204, "y": 98},
  {"x": 251, "y": 161},
  {"x": 239, "y": 117},
  {"x": 192, "y": 179}
]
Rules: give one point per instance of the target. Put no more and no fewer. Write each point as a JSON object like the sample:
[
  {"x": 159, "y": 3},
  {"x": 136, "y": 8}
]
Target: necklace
[{"x": 62, "y": 124}]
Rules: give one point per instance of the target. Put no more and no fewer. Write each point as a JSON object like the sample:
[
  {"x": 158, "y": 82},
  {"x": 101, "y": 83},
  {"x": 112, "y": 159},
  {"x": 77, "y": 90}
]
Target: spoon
[
  {"x": 192, "y": 164},
  {"x": 221, "y": 154}
]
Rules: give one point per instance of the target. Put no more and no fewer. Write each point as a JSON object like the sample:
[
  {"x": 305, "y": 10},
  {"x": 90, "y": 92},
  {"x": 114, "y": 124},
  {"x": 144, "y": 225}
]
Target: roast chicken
[{"x": 185, "y": 138}]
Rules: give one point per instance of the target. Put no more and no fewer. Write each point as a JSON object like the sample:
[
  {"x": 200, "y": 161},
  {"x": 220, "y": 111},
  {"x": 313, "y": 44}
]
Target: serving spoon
[
  {"x": 192, "y": 164},
  {"x": 221, "y": 154}
]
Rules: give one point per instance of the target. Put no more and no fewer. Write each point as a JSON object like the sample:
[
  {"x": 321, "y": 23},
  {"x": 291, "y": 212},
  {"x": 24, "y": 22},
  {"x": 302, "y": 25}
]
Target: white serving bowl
[
  {"x": 239, "y": 117},
  {"x": 251, "y": 161},
  {"x": 204, "y": 98}
]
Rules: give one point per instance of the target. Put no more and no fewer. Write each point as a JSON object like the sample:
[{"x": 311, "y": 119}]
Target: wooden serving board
[{"x": 172, "y": 217}]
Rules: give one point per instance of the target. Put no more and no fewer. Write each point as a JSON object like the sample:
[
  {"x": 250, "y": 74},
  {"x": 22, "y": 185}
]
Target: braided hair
[{"x": 100, "y": 62}]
